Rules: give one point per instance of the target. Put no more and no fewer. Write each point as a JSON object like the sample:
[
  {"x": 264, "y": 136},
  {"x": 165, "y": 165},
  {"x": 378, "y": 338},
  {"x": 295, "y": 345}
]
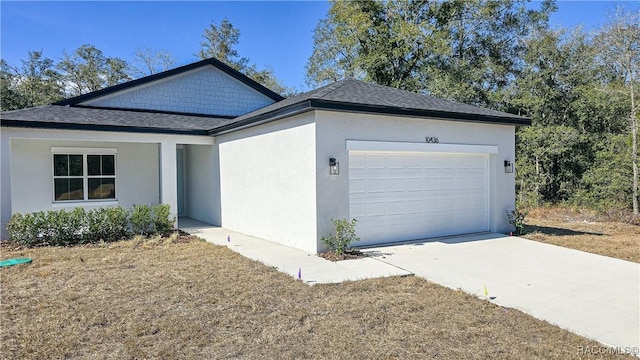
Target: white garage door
[{"x": 407, "y": 196}]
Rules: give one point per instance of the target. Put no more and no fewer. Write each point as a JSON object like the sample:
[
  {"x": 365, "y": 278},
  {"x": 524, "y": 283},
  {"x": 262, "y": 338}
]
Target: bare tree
[
  {"x": 619, "y": 41},
  {"x": 147, "y": 61}
]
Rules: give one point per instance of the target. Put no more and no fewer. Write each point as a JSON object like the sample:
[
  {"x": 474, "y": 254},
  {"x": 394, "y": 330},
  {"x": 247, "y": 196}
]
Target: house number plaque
[{"x": 432, "y": 140}]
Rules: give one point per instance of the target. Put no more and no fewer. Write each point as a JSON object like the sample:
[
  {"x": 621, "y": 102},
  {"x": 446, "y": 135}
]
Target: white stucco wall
[
  {"x": 25, "y": 166},
  {"x": 31, "y": 174},
  {"x": 268, "y": 181},
  {"x": 203, "y": 183},
  {"x": 333, "y": 129},
  {"x": 205, "y": 90},
  {"x": 5, "y": 181}
]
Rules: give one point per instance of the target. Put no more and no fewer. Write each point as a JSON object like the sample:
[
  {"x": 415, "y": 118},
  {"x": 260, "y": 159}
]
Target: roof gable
[{"x": 206, "y": 87}]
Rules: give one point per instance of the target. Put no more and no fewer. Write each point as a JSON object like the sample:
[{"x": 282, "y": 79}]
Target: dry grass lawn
[
  {"x": 585, "y": 231},
  {"x": 196, "y": 300}
]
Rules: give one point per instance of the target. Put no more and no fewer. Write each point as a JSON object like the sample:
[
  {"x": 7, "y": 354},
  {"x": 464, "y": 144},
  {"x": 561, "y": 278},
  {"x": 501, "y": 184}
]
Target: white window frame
[{"x": 85, "y": 174}]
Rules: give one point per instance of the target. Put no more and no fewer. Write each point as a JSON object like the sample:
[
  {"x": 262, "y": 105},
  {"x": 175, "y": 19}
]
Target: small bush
[
  {"x": 345, "y": 234},
  {"x": 162, "y": 219},
  {"x": 22, "y": 229},
  {"x": 141, "y": 220},
  {"x": 63, "y": 228},
  {"x": 516, "y": 218},
  {"x": 117, "y": 222},
  {"x": 107, "y": 225}
]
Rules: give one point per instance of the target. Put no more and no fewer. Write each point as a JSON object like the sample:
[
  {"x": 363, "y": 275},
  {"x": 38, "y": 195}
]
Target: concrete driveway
[{"x": 592, "y": 295}]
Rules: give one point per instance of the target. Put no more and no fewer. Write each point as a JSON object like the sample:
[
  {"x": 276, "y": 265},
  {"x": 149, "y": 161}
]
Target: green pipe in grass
[{"x": 16, "y": 261}]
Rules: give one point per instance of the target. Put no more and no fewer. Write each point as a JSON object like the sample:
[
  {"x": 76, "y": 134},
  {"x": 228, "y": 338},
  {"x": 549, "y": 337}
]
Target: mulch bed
[{"x": 348, "y": 255}]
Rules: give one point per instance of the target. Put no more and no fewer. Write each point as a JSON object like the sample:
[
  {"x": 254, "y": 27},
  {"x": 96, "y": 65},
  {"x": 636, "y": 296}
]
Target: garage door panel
[
  {"x": 374, "y": 162},
  {"x": 357, "y": 186},
  {"x": 413, "y": 230},
  {"x": 358, "y": 210},
  {"x": 415, "y": 184},
  {"x": 477, "y": 202},
  {"x": 431, "y": 224},
  {"x": 376, "y": 208},
  {"x": 397, "y": 207},
  {"x": 477, "y": 183},
  {"x": 414, "y": 163},
  {"x": 431, "y": 183},
  {"x": 356, "y": 162},
  {"x": 447, "y": 204},
  {"x": 373, "y": 232},
  {"x": 398, "y": 196},
  {"x": 461, "y": 203},
  {"x": 376, "y": 185},
  {"x": 447, "y": 183},
  {"x": 414, "y": 206},
  {"x": 396, "y": 185},
  {"x": 394, "y": 162},
  {"x": 431, "y": 205}
]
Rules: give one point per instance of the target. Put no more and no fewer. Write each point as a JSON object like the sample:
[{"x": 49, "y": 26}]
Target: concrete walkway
[
  {"x": 312, "y": 269},
  {"x": 591, "y": 295}
]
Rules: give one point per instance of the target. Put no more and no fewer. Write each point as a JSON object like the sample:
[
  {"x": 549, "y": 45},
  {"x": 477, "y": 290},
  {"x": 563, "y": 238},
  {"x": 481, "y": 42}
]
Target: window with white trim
[{"x": 83, "y": 174}]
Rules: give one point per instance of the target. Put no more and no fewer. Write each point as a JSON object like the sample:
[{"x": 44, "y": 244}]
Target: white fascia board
[{"x": 391, "y": 146}]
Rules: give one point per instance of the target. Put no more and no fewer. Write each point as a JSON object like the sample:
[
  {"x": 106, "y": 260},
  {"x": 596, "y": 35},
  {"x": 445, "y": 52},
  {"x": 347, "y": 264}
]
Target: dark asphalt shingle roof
[
  {"x": 344, "y": 95},
  {"x": 357, "y": 92},
  {"x": 58, "y": 116}
]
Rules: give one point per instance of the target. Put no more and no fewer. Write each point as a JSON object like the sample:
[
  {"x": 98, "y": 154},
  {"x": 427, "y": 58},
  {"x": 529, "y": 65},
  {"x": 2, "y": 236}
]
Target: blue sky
[{"x": 276, "y": 35}]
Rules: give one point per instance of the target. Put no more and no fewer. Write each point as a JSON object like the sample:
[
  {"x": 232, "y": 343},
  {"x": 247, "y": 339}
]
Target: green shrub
[
  {"x": 141, "y": 219},
  {"x": 45, "y": 233},
  {"x": 345, "y": 234},
  {"x": 77, "y": 226},
  {"x": 72, "y": 225},
  {"x": 162, "y": 219},
  {"x": 516, "y": 218},
  {"x": 117, "y": 221},
  {"x": 108, "y": 224},
  {"x": 22, "y": 229},
  {"x": 48, "y": 228}
]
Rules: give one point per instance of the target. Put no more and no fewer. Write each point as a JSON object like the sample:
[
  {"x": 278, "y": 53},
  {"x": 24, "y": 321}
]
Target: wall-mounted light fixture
[
  {"x": 334, "y": 166},
  {"x": 508, "y": 166}
]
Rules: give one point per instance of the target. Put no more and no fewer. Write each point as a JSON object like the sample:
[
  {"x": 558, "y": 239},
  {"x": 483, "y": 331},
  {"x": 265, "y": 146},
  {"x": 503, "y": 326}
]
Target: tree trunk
[
  {"x": 634, "y": 150},
  {"x": 537, "y": 183}
]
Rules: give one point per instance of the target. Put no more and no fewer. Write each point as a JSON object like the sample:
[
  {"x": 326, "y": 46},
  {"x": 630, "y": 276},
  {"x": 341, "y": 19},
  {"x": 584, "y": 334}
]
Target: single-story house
[{"x": 220, "y": 148}]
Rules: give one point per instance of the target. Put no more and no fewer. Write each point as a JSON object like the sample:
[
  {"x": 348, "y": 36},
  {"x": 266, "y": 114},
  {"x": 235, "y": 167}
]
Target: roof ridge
[{"x": 329, "y": 88}]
